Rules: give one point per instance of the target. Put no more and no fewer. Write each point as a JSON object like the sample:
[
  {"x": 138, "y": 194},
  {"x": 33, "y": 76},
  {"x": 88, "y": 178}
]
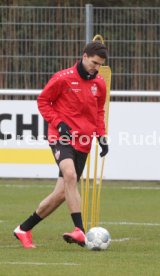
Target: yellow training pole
[
  {"x": 94, "y": 188},
  {"x": 86, "y": 196},
  {"x": 99, "y": 194},
  {"x": 82, "y": 196},
  {"x": 105, "y": 71},
  {"x": 98, "y": 37}
]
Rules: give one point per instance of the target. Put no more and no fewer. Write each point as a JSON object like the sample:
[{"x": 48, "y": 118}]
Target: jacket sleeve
[
  {"x": 47, "y": 98},
  {"x": 101, "y": 112}
]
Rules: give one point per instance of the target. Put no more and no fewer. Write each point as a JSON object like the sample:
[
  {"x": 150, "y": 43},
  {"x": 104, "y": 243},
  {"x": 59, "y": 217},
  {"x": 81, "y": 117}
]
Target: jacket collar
[{"x": 83, "y": 73}]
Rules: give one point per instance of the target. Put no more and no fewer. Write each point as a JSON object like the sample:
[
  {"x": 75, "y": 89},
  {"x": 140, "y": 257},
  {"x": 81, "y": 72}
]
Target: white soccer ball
[{"x": 97, "y": 238}]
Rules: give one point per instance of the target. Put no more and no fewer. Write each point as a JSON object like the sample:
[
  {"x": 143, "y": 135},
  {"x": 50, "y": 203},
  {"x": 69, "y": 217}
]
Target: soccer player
[{"x": 72, "y": 103}]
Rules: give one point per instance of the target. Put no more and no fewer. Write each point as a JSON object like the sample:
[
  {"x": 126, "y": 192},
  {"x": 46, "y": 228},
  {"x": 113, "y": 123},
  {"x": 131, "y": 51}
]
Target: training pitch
[{"x": 129, "y": 210}]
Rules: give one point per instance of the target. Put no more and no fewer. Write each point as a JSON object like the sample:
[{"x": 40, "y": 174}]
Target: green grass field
[{"x": 129, "y": 210}]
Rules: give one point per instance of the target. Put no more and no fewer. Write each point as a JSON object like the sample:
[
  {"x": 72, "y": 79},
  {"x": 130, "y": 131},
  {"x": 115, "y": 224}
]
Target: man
[{"x": 73, "y": 105}]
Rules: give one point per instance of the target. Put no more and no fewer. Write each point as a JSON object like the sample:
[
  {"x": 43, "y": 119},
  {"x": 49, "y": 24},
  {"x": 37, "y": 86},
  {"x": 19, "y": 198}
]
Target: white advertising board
[{"x": 134, "y": 134}]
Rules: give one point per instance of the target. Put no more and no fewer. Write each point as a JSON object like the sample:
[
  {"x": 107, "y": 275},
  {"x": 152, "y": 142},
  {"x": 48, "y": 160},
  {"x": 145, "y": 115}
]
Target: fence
[{"x": 38, "y": 41}]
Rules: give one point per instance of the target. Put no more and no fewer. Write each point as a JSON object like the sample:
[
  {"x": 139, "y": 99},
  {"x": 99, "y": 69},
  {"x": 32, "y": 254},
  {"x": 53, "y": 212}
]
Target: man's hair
[{"x": 96, "y": 48}]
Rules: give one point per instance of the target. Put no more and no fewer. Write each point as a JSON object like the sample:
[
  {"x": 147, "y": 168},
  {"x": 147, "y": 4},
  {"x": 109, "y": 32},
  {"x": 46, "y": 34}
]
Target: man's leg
[
  {"x": 72, "y": 195},
  {"x": 53, "y": 201},
  {"x": 73, "y": 201},
  {"x": 47, "y": 206}
]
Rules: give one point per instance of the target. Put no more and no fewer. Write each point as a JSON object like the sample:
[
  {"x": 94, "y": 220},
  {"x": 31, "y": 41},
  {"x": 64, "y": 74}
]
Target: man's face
[{"x": 92, "y": 64}]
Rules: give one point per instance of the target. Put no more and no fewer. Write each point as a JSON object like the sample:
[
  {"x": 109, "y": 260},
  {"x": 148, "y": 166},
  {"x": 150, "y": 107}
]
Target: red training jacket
[{"x": 78, "y": 102}]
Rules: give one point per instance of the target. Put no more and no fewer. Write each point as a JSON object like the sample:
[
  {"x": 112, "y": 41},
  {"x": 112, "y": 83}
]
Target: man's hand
[
  {"x": 64, "y": 130},
  {"x": 104, "y": 145}
]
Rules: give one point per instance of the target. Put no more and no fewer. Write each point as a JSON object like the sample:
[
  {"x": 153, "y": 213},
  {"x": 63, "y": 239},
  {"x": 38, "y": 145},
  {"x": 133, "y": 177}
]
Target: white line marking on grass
[
  {"x": 21, "y": 186},
  {"x": 130, "y": 223},
  {"x": 121, "y": 240},
  {"x": 18, "y": 245},
  {"x": 51, "y": 186},
  {"x": 37, "y": 264},
  {"x": 10, "y": 246},
  {"x": 140, "y": 188}
]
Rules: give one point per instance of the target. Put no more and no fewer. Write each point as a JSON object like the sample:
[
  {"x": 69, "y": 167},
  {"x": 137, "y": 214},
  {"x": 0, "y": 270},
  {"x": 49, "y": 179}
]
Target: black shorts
[{"x": 61, "y": 152}]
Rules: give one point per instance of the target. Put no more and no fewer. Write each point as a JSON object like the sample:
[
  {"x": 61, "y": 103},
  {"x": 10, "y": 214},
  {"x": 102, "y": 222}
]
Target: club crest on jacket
[{"x": 94, "y": 89}]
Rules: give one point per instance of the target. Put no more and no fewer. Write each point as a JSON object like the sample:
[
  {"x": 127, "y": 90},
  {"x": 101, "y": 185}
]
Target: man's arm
[
  {"x": 47, "y": 98},
  {"x": 101, "y": 113},
  {"x": 101, "y": 122}
]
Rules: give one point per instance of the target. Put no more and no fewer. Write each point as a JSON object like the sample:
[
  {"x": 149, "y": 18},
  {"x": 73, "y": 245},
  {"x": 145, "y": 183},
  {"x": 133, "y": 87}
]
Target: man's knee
[{"x": 70, "y": 176}]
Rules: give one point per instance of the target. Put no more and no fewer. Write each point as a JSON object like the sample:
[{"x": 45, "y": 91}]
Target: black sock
[
  {"x": 77, "y": 219},
  {"x": 29, "y": 223}
]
